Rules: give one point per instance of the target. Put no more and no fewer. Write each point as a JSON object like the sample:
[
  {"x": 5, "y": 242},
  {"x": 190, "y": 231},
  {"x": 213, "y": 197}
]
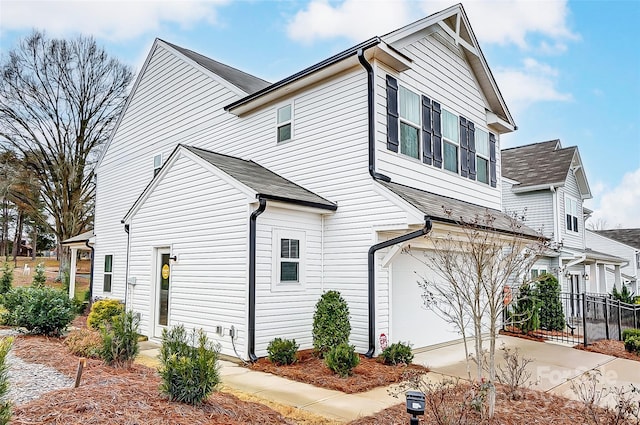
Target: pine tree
[
  {"x": 39, "y": 278},
  {"x": 6, "y": 279},
  {"x": 551, "y": 313},
  {"x": 526, "y": 313}
]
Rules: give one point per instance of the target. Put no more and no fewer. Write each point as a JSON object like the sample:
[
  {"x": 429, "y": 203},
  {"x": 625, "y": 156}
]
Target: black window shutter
[
  {"x": 392, "y": 114},
  {"x": 437, "y": 134},
  {"x": 492, "y": 158},
  {"x": 427, "y": 131},
  {"x": 471, "y": 133},
  {"x": 464, "y": 148}
]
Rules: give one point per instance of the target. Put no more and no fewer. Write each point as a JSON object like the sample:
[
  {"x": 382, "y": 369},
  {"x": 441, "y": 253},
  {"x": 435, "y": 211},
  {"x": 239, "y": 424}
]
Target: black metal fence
[{"x": 588, "y": 318}]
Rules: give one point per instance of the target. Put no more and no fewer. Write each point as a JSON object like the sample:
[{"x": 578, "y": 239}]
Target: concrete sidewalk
[{"x": 554, "y": 368}]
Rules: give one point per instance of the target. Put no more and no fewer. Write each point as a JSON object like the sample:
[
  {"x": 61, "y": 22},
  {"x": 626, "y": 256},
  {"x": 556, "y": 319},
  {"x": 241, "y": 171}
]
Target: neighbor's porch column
[
  {"x": 593, "y": 278},
  {"x": 617, "y": 275},
  {"x": 72, "y": 273},
  {"x": 602, "y": 279}
]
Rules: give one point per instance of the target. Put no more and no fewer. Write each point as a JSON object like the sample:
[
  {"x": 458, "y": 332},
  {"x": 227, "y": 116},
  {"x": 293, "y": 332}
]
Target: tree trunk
[
  {"x": 5, "y": 228},
  {"x": 18, "y": 238},
  {"x": 34, "y": 243}
]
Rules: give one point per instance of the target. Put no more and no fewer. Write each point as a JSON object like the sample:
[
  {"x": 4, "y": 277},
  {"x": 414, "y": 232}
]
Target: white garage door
[{"x": 410, "y": 320}]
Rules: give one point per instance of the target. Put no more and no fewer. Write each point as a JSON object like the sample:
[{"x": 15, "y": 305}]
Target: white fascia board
[
  {"x": 127, "y": 103},
  {"x": 499, "y": 125},
  {"x": 536, "y": 187},
  {"x": 510, "y": 181},
  {"x": 582, "y": 175},
  {"x": 421, "y": 24},
  {"x": 294, "y": 207},
  {"x": 414, "y": 215},
  {"x": 389, "y": 56},
  {"x": 177, "y": 153}
]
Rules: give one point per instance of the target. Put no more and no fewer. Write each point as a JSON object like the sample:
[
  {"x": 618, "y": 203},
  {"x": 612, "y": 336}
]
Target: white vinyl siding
[
  {"x": 440, "y": 71},
  {"x": 604, "y": 244},
  {"x": 536, "y": 208},
  {"x": 571, "y": 239}
]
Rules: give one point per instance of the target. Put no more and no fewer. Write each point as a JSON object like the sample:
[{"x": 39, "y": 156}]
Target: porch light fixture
[
  {"x": 585, "y": 276},
  {"x": 174, "y": 258}
]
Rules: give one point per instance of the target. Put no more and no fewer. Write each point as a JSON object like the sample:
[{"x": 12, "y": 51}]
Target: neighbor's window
[
  {"x": 108, "y": 265},
  {"x": 157, "y": 164},
  {"x": 450, "y": 140},
  {"x": 409, "y": 123},
  {"x": 482, "y": 156},
  {"x": 571, "y": 213},
  {"x": 284, "y": 123},
  {"x": 537, "y": 272}
]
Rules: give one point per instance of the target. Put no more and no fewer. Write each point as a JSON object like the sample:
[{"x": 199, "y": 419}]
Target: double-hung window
[
  {"x": 289, "y": 258},
  {"x": 285, "y": 121},
  {"x": 571, "y": 213},
  {"x": 409, "y": 123},
  {"x": 450, "y": 140},
  {"x": 108, "y": 271},
  {"x": 482, "y": 155}
]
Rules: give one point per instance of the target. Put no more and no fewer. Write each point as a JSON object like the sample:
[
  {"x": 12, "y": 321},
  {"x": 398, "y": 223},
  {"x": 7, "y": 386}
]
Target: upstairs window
[
  {"x": 284, "y": 117},
  {"x": 409, "y": 123},
  {"x": 450, "y": 141},
  {"x": 571, "y": 213},
  {"x": 108, "y": 272},
  {"x": 157, "y": 164},
  {"x": 482, "y": 155}
]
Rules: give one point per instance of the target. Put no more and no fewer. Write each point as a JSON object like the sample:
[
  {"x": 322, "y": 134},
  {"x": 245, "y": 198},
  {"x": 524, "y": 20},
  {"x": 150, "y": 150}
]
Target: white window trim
[
  {"x": 154, "y": 164},
  {"x": 278, "y": 124},
  {"x": 417, "y": 126},
  {"x": 577, "y": 216},
  {"x": 110, "y": 273},
  {"x": 453, "y": 142},
  {"x": 300, "y": 235}
]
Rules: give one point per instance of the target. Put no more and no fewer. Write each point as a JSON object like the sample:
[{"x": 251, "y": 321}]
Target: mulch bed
[
  {"x": 611, "y": 348},
  {"x": 535, "y": 407},
  {"x": 117, "y": 396},
  {"x": 510, "y": 331},
  {"x": 370, "y": 373}
]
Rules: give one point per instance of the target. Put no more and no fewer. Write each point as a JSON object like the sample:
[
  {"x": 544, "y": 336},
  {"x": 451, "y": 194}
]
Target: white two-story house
[
  {"x": 623, "y": 243},
  {"x": 228, "y": 203},
  {"x": 548, "y": 184}
]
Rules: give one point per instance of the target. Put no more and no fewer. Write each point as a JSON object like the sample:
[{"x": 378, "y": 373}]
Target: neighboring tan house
[
  {"x": 228, "y": 203},
  {"x": 548, "y": 184},
  {"x": 623, "y": 243}
]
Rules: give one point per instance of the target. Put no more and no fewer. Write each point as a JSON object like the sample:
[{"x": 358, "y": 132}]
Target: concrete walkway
[{"x": 553, "y": 369}]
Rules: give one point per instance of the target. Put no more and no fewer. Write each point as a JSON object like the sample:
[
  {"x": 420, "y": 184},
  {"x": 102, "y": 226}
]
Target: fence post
[
  {"x": 619, "y": 321},
  {"x": 606, "y": 317},
  {"x": 584, "y": 318}
]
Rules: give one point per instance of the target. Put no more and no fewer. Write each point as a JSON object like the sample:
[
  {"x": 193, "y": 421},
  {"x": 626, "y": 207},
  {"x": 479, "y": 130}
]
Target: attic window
[{"x": 284, "y": 123}]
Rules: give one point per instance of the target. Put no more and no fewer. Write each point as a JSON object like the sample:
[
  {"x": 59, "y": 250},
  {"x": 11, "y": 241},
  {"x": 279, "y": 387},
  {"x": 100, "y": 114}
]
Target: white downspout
[{"x": 556, "y": 225}]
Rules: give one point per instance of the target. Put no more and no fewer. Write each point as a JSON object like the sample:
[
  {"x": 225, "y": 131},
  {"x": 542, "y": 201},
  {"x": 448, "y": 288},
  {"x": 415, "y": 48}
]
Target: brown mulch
[
  {"x": 518, "y": 334},
  {"x": 611, "y": 348},
  {"x": 370, "y": 373},
  {"x": 117, "y": 396},
  {"x": 535, "y": 407}
]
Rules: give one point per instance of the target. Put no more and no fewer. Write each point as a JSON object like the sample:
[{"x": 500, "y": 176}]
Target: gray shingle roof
[
  {"x": 82, "y": 237},
  {"x": 442, "y": 208},
  {"x": 537, "y": 164},
  {"x": 629, "y": 237},
  {"x": 246, "y": 82},
  {"x": 262, "y": 180}
]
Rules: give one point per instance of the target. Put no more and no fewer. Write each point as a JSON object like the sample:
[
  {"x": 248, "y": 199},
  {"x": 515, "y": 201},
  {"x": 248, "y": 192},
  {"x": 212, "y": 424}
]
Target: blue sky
[{"x": 568, "y": 70}]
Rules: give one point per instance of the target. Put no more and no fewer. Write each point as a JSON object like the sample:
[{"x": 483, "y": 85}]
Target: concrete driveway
[{"x": 553, "y": 369}]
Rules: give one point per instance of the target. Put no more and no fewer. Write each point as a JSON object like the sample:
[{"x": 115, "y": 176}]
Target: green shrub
[
  {"x": 632, "y": 344},
  {"x": 283, "y": 351},
  {"x": 526, "y": 312},
  {"x": 43, "y": 311},
  {"x": 6, "y": 280},
  {"x": 120, "y": 340},
  {"x": 103, "y": 312},
  {"x": 39, "y": 277},
  {"x": 551, "y": 313},
  {"x": 331, "y": 325},
  {"x": 397, "y": 353},
  {"x": 5, "y": 406},
  {"x": 630, "y": 332},
  {"x": 342, "y": 359},
  {"x": 84, "y": 343},
  {"x": 624, "y": 295},
  {"x": 189, "y": 373}
]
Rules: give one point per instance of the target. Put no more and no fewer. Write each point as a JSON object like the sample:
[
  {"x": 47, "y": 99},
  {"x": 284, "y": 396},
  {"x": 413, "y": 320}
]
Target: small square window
[{"x": 284, "y": 123}]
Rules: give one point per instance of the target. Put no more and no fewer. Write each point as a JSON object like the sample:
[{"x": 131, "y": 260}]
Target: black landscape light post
[{"x": 415, "y": 406}]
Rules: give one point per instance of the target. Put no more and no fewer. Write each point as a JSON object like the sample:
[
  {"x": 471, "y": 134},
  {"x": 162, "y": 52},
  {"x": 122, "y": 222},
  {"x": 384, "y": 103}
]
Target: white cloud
[
  {"x": 111, "y": 20},
  {"x": 533, "y": 82},
  {"x": 619, "y": 206},
  {"x": 356, "y": 20}
]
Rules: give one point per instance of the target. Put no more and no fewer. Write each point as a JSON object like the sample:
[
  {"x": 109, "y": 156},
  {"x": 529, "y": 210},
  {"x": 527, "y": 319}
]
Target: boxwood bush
[
  {"x": 189, "y": 368},
  {"x": 283, "y": 351},
  {"x": 630, "y": 332},
  {"x": 632, "y": 344},
  {"x": 331, "y": 325},
  {"x": 342, "y": 359},
  {"x": 397, "y": 353},
  {"x": 6, "y": 280},
  {"x": 41, "y": 310},
  {"x": 103, "y": 312}
]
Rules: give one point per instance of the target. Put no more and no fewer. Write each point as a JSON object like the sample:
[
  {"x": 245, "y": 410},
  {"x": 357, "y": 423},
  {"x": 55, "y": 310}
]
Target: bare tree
[
  {"x": 596, "y": 224},
  {"x": 59, "y": 101},
  {"x": 473, "y": 265}
]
